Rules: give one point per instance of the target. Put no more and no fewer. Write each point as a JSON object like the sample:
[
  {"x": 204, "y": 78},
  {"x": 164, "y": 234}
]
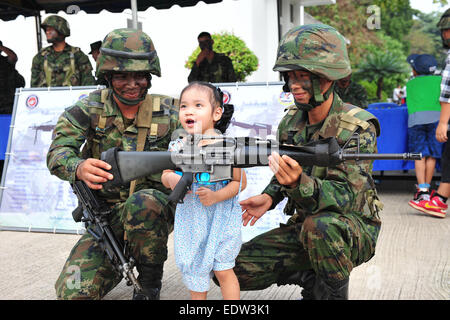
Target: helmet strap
[
  {"x": 318, "y": 98},
  {"x": 125, "y": 101}
]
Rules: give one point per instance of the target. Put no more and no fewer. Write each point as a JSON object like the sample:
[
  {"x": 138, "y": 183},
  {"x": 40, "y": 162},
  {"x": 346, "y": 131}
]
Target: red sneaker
[
  {"x": 419, "y": 197},
  {"x": 434, "y": 207}
]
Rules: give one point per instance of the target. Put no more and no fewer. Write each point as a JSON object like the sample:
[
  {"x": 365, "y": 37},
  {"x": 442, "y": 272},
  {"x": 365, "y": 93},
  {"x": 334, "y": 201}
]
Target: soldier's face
[
  {"x": 130, "y": 85},
  {"x": 95, "y": 54},
  {"x": 205, "y": 43},
  {"x": 344, "y": 82},
  {"x": 52, "y": 35},
  {"x": 446, "y": 33},
  {"x": 300, "y": 85}
]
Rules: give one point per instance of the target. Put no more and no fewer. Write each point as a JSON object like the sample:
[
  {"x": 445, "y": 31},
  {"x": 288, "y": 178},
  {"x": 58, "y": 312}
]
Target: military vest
[
  {"x": 69, "y": 70},
  {"x": 152, "y": 122},
  {"x": 343, "y": 126}
]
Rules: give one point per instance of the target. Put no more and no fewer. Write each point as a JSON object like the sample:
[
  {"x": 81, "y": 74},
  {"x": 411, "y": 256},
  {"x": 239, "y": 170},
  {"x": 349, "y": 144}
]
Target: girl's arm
[{"x": 208, "y": 197}]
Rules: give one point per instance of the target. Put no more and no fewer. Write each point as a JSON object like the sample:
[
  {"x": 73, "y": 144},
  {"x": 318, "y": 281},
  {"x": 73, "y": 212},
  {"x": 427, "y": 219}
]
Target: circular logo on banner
[
  {"x": 84, "y": 95},
  {"x": 32, "y": 101},
  {"x": 226, "y": 97},
  {"x": 286, "y": 99}
]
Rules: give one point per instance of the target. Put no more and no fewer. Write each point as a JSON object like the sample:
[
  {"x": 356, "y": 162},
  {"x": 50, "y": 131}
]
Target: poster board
[
  {"x": 33, "y": 200},
  {"x": 30, "y": 198}
]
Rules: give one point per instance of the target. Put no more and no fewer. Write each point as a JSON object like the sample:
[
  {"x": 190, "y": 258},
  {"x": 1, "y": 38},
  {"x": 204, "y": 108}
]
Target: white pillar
[
  {"x": 134, "y": 13},
  {"x": 302, "y": 15}
]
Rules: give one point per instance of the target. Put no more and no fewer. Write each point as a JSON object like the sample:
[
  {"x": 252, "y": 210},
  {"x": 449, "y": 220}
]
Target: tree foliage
[
  {"x": 402, "y": 31},
  {"x": 380, "y": 65},
  {"x": 244, "y": 60}
]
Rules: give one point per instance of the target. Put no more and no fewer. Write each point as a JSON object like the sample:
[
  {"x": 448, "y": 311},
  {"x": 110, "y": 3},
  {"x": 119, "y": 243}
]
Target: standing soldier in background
[
  {"x": 351, "y": 92},
  {"x": 95, "y": 51},
  {"x": 335, "y": 224},
  {"x": 211, "y": 66},
  {"x": 60, "y": 64},
  {"x": 125, "y": 116}
]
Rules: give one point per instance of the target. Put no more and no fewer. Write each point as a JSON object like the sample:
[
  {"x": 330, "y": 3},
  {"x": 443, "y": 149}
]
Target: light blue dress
[{"x": 206, "y": 238}]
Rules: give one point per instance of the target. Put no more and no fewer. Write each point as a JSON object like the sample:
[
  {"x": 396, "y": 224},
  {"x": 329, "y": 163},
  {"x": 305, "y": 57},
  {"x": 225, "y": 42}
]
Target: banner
[
  {"x": 30, "y": 198},
  {"x": 33, "y": 200},
  {"x": 258, "y": 108}
]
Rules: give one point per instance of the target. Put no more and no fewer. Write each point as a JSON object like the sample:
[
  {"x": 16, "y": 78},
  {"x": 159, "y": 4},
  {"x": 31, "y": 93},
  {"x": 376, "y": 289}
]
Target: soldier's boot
[
  {"x": 337, "y": 290},
  {"x": 313, "y": 286},
  {"x": 150, "y": 280}
]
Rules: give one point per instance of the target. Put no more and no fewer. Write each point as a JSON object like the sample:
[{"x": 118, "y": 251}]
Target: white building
[{"x": 174, "y": 32}]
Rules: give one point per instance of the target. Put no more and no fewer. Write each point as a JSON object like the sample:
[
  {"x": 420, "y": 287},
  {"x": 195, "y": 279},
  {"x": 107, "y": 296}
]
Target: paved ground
[{"x": 412, "y": 260}]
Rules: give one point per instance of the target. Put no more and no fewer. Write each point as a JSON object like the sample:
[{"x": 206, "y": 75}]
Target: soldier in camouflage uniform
[
  {"x": 60, "y": 64},
  {"x": 124, "y": 116},
  {"x": 351, "y": 92},
  {"x": 334, "y": 221},
  {"x": 211, "y": 66}
]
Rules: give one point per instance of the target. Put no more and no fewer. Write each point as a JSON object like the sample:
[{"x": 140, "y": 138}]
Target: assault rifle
[
  {"x": 95, "y": 216},
  {"x": 214, "y": 161}
]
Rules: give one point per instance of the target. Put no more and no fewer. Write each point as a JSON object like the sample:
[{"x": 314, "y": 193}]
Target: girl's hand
[
  {"x": 170, "y": 179},
  {"x": 206, "y": 196}
]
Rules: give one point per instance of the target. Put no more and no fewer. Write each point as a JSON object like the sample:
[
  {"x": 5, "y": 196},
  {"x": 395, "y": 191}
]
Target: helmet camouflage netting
[
  {"x": 317, "y": 48},
  {"x": 125, "y": 50}
]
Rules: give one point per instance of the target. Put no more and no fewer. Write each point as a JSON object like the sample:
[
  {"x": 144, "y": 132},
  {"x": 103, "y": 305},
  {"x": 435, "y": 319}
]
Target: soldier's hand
[
  {"x": 92, "y": 172},
  {"x": 255, "y": 207},
  {"x": 286, "y": 170}
]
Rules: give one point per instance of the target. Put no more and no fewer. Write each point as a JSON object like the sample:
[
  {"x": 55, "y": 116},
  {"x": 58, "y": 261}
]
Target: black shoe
[
  {"x": 148, "y": 294},
  {"x": 313, "y": 286},
  {"x": 149, "y": 278},
  {"x": 337, "y": 290}
]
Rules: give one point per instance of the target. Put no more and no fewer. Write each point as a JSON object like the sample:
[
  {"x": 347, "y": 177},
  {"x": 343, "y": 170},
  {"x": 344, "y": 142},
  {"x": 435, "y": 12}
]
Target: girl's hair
[{"x": 216, "y": 98}]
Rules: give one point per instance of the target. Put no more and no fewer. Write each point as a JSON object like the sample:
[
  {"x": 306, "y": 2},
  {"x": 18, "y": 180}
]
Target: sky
[{"x": 426, "y": 6}]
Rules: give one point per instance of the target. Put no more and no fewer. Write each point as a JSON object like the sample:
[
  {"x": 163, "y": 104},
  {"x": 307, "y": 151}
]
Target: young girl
[{"x": 207, "y": 230}]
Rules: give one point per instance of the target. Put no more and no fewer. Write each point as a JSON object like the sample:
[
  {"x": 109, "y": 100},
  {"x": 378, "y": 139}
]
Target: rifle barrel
[{"x": 381, "y": 156}]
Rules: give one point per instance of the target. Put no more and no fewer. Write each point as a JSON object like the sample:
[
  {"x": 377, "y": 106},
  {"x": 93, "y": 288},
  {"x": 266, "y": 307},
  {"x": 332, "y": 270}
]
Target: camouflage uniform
[
  {"x": 334, "y": 224},
  {"x": 10, "y": 79},
  {"x": 145, "y": 218},
  {"x": 354, "y": 94},
  {"x": 220, "y": 69},
  {"x": 70, "y": 67}
]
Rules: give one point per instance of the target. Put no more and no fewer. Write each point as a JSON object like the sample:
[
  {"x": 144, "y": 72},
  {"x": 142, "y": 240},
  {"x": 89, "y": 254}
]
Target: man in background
[
  {"x": 211, "y": 66},
  {"x": 10, "y": 79},
  {"x": 351, "y": 92}
]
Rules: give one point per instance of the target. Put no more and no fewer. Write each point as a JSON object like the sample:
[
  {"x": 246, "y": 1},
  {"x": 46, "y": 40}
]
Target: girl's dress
[{"x": 206, "y": 238}]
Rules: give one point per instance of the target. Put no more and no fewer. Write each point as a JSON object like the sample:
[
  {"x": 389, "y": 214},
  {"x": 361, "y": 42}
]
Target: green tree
[
  {"x": 381, "y": 65},
  {"x": 396, "y": 18},
  {"x": 244, "y": 60},
  {"x": 425, "y": 37}
]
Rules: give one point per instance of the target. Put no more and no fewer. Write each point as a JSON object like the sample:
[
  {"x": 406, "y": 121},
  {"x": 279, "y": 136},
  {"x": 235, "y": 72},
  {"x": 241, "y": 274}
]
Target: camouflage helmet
[
  {"x": 317, "y": 48},
  {"x": 59, "y": 23},
  {"x": 444, "y": 22},
  {"x": 127, "y": 50}
]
